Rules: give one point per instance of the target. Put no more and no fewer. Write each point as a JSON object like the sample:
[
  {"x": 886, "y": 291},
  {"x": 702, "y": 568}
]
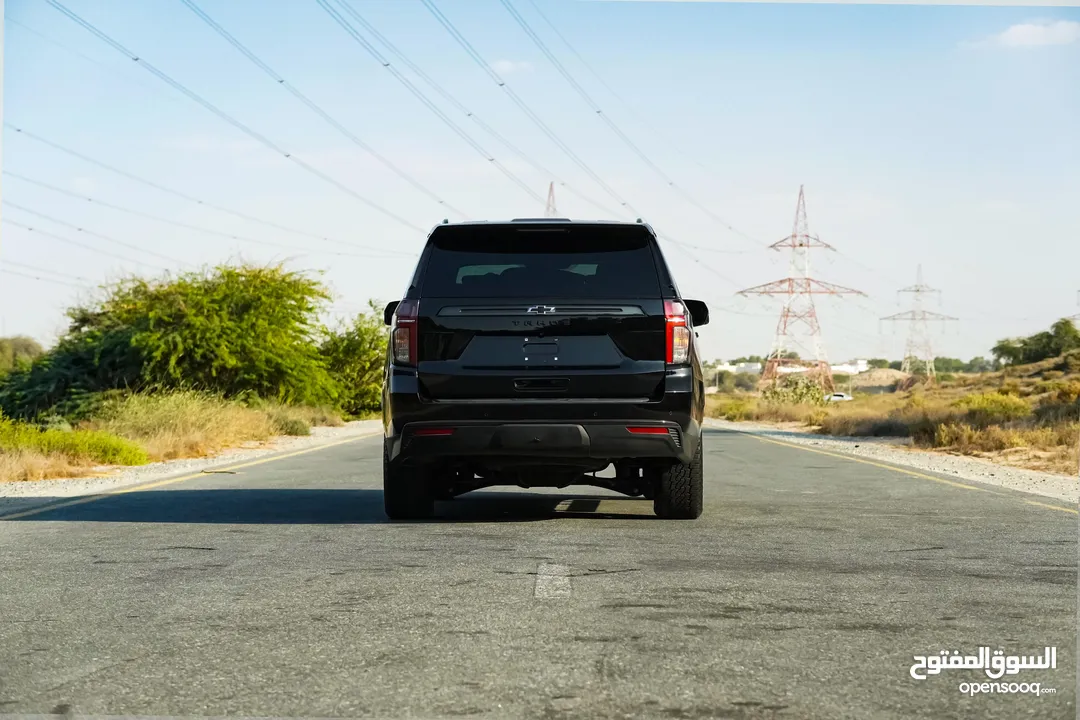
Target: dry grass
[
  {"x": 1027, "y": 416},
  {"x": 26, "y": 464},
  {"x": 29, "y": 453},
  {"x": 140, "y": 428},
  {"x": 191, "y": 424},
  {"x": 183, "y": 425}
]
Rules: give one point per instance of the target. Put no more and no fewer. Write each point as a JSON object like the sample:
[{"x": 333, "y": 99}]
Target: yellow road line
[
  {"x": 1053, "y": 507},
  {"x": 169, "y": 481},
  {"x": 904, "y": 471}
]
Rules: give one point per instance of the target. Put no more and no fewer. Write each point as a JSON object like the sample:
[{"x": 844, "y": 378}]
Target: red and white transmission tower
[
  {"x": 799, "y": 290},
  {"x": 918, "y": 348},
  {"x": 549, "y": 209}
]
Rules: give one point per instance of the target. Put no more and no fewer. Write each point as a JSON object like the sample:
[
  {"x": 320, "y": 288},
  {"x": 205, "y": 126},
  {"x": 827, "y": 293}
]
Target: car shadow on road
[{"x": 359, "y": 506}]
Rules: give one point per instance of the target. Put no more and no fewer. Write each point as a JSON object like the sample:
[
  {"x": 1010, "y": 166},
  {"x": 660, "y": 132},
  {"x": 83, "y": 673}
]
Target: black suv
[{"x": 537, "y": 353}]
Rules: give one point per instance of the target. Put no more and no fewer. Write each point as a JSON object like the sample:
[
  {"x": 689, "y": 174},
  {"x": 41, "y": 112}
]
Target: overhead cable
[
  {"x": 182, "y": 195},
  {"x": 374, "y": 52},
  {"x": 247, "y": 130},
  {"x": 330, "y": 120}
]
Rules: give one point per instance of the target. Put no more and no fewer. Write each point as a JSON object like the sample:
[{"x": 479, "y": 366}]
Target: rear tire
[
  {"x": 405, "y": 492},
  {"x": 680, "y": 489}
]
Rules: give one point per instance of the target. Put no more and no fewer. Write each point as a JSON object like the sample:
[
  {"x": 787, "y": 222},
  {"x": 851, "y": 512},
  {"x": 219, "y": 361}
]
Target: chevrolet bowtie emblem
[{"x": 540, "y": 309}]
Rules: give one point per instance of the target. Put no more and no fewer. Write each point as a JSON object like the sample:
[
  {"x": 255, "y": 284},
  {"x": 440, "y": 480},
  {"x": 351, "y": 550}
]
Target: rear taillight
[
  {"x": 678, "y": 332},
  {"x": 403, "y": 336},
  {"x": 646, "y": 430}
]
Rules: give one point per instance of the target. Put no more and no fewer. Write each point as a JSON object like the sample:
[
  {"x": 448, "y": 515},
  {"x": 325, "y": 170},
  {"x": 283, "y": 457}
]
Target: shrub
[
  {"x": 355, "y": 355},
  {"x": 746, "y": 381},
  {"x": 228, "y": 330},
  {"x": 1052, "y": 374},
  {"x": 18, "y": 351},
  {"x": 183, "y": 424},
  {"x": 77, "y": 446},
  {"x": 731, "y": 408},
  {"x": 985, "y": 409},
  {"x": 1010, "y": 387},
  {"x": 1070, "y": 363},
  {"x": 292, "y": 426},
  {"x": 795, "y": 389}
]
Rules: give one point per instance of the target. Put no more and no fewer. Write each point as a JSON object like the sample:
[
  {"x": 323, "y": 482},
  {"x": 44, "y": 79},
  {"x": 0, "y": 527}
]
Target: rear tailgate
[{"x": 552, "y": 312}]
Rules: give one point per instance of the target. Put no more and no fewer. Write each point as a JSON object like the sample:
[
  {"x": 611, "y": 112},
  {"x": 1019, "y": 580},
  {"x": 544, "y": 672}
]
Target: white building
[
  {"x": 752, "y": 368},
  {"x": 853, "y": 367}
]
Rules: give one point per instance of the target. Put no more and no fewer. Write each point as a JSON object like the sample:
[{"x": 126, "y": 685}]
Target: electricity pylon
[
  {"x": 799, "y": 290},
  {"x": 918, "y": 347},
  {"x": 549, "y": 209}
]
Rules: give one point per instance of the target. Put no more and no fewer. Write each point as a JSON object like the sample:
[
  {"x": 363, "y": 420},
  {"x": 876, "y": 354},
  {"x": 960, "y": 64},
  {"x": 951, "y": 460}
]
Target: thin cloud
[
  {"x": 1036, "y": 33},
  {"x": 505, "y": 67}
]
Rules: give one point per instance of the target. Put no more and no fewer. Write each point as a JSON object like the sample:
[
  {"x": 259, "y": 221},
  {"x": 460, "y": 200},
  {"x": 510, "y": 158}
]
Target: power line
[
  {"x": 84, "y": 56},
  {"x": 45, "y": 270},
  {"x": 492, "y": 132},
  {"x": 37, "y": 277},
  {"x": 522, "y": 105},
  {"x": 472, "y": 52},
  {"x": 247, "y": 130},
  {"x": 523, "y": 23},
  {"x": 374, "y": 52},
  {"x": 182, "y": 195},
  {"x": 282, "y": 82},
  {"x": 176, "y": 223},
  {"x": 617, "y": 96},
  {"x": 69, "y": 241}
]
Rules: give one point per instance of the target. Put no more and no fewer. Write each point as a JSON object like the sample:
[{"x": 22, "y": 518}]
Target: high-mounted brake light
[
  {"x": 677, "y": 333},
  {"x": 403, "y": 335}
]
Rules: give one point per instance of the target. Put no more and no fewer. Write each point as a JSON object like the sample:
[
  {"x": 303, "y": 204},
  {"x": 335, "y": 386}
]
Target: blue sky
[{"x": 937, "y": 135}]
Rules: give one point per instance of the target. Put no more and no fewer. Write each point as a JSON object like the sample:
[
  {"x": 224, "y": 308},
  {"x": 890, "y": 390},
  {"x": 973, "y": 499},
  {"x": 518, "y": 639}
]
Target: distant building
[
  {"x": 752, "y": 368},
  {"x": 853, "y": 367}
]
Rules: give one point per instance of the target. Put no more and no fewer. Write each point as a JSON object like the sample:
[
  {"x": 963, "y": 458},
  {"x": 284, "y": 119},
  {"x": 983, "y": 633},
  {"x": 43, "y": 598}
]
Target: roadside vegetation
[
  {"x": 1027, "y": 413},
  {"x": 184, "y": 366}
]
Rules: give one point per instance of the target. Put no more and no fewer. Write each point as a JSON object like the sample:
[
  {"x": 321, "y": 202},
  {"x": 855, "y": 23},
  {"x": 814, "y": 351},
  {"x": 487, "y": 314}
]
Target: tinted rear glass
[{"x": 584, "y": 261}]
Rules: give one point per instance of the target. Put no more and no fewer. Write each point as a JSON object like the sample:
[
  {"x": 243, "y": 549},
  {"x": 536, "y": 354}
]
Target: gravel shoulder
[
  {"x": 898, "y": 452},
  {"x": 15, "y": 496}
]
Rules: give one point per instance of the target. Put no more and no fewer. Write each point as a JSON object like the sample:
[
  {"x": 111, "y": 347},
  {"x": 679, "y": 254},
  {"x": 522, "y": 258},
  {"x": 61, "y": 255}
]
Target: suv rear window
[{"x": 583, "y": 261}]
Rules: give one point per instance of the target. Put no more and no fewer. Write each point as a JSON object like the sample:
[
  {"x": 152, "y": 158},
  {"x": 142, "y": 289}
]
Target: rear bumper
[
  {"x": 552, "y": 442},
  {"x": 566, "y": 428}
]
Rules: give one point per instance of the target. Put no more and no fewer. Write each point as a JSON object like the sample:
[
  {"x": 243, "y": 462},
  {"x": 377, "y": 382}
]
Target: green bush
[
  {"x": 746, "y": 381},
  {"x": 1070, "y": 363},
  {"x": 230, "y": 330},
  {"x": 17, "y": 352},
  {"x": 78, "y": 445},
  {"x": 1063, "y": 337},
  {"x": 992, "y": 408},
  {"x": 794, "y": 389},
  {"x": 355, "y": 355},
  {"x": 292, "y": 426}
]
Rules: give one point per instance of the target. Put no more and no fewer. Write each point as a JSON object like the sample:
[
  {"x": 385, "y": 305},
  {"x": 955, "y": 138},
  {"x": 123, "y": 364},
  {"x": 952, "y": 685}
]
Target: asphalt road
[{"x": 804, "y": 591}]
